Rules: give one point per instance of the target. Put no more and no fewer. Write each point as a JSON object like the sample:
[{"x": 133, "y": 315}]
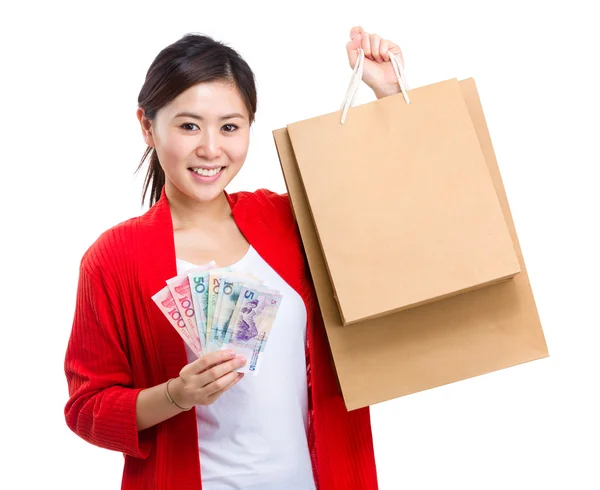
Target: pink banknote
[
  {"x": 166, "y": 303},
  {"x": 181, "y": 291}
]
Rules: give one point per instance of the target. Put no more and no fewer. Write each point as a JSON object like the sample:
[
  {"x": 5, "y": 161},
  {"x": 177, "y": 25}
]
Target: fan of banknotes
[{"x": 214, "y": 308}]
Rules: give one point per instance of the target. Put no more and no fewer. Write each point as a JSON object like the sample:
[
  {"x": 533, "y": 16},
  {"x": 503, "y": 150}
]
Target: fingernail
[
  {"x": 242, "y": 360},
  {"x": 231, "y": 353}
]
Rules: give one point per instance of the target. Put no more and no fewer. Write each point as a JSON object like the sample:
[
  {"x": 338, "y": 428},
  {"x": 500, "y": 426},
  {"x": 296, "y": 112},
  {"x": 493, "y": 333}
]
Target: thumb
[{"x": 352, "y": 49}]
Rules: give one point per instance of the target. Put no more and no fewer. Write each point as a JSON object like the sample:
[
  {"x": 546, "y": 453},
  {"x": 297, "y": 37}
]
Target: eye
[
  {"x": 186, "y": 126},
  {"x": 230, "y": 128}
]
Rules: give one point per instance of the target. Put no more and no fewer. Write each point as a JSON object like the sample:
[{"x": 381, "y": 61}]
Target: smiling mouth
[{"x": 206, "y": 172}]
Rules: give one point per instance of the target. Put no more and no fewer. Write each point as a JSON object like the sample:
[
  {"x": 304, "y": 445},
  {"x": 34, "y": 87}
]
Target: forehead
[{"x": 208, "y": 98}]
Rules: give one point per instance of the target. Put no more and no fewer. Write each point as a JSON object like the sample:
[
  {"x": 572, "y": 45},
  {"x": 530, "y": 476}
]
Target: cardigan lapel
[
  {"x": 277, "y": 245},
  {"x": 156, "y": 250}
]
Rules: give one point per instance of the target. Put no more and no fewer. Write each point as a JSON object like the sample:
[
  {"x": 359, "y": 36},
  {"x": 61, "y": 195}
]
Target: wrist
[
  {"x": 175, "y": 394},
  {"x": 381, "y": 92}
]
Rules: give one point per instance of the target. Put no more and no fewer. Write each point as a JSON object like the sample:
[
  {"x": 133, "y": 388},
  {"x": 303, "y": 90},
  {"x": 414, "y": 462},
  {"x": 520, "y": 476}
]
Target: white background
[{"x": 70, "y": 76}]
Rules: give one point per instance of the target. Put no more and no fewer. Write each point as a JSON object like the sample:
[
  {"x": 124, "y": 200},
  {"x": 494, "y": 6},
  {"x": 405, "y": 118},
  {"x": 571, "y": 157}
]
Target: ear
[{"x": 146, "y": 125}]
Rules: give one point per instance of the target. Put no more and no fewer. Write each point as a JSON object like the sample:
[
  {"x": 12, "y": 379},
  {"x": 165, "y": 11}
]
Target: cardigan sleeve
[{"x": 102, "y": 405}]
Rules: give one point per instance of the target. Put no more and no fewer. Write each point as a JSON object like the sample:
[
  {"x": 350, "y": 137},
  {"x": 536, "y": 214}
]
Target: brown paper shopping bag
[
  {"x": 434, "y": 344},
  {"x": 402, "y": 202}
]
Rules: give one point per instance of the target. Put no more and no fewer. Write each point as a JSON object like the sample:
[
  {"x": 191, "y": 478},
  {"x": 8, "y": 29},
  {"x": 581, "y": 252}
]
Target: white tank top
[{"x": 254, "y": 436}]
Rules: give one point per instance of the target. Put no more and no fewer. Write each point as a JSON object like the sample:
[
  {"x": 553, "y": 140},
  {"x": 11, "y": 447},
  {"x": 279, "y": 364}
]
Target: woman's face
[{"x": 201, "y": 138}]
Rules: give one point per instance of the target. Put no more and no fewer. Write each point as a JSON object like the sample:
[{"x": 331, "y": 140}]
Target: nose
[{"x": 209, "y": 146}]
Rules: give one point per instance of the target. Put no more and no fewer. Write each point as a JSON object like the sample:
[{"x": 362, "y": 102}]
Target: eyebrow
[{"x": 200, "y": 118}]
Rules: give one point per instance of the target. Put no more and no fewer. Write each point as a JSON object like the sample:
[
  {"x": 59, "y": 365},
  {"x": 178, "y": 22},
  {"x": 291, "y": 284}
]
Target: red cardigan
[{"x": 121, "y": 343}]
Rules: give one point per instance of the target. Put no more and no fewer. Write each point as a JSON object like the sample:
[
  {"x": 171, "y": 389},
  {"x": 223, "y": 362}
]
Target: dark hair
[{"x": 193, "y": 59}]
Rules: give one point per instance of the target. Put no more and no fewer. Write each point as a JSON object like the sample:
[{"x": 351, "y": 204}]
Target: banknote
[
  {"x": 215, "y": 332},
  {"x": 247, "y": 294},
  {"x": 267, "y": 317},
  {"x": 198, "y": 280},
  {"x": 214, "y": 283},
  {"x": 251, "y": 323},
  {"x": 180, "y": 289},
  {"x": 230, "y": 286},
  {"x": 166, "y": 303}
]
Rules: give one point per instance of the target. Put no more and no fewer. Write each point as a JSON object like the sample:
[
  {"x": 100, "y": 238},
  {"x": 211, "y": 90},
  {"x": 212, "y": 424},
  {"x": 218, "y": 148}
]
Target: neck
[{"x": 187, "y": 212}]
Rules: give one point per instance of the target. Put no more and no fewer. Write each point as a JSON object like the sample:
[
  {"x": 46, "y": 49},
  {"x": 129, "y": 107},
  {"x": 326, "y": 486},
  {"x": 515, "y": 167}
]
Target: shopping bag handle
[{"x": 357, "y": 77}]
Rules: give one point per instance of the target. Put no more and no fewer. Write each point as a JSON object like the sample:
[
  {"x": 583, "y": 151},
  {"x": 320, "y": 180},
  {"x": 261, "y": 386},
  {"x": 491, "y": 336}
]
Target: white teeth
[{"x": 207, "y": 173}]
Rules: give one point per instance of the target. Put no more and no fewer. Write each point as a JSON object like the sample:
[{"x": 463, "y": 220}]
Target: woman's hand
[
  {"x": 204, "y": 380},
  {"x": 378, "y": 72}
]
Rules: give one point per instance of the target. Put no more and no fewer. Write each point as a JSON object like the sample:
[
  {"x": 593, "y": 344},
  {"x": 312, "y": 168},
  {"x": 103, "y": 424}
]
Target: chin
[{"x": 208, "y": 194}]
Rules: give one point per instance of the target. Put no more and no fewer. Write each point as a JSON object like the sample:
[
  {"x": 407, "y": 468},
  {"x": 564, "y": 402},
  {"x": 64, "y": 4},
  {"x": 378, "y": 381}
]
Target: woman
[{"x": 135, "y": 387}]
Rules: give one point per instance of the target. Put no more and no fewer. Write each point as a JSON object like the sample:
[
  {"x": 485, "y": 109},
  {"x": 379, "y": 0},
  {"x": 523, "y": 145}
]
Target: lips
[
  {"x": 206, "y": 171},
  {"x": 208, "y": 175}
]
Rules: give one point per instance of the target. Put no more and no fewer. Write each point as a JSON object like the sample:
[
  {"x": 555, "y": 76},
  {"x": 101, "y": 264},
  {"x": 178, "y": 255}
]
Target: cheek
[
  {"x": 239, "y": 149},
  {"x": 173, "y": 148}
]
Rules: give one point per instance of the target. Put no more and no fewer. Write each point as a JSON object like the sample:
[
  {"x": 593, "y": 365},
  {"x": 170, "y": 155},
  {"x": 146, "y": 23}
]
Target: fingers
[
  {"x": 353, "y": 45},
  {"x": 219, "y": 384},
  {"x": 215, "y": 373},
  {"x": 384, "y": 47},
  {"x": 375, "y": 42},
  {"x": 366, "y": 45},
  {"x": 206, "y": 362},
  {"x": 374, "y": 47},
  {"x": 395, "y": 49},
  {"x": 356, "y": 30},
  {"x": 210, "y": 375},
  {"x": 216, "y": 394}
]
